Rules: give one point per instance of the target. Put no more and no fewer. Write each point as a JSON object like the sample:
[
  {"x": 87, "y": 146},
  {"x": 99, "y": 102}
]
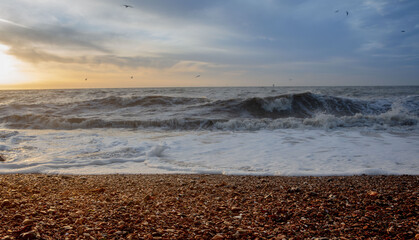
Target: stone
[
  {"x": 68, "y": 227},
  {"x": 294, "y": 190},
  {"x": 79, "y": 221},
  {"x": 236, "y": 209},
  {"x": 29, "y": 235},
  {"x": 217, "y": 237},
  {"x": 27, "y": 222},
  {"x": 66, "y": 221},
  {"x": 5, "y": 203}
]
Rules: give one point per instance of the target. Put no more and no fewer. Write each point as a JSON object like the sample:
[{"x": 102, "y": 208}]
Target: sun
[{"x": 10, "y": 72}]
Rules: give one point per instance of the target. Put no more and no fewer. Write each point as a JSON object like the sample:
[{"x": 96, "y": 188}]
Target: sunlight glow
[{"x": 9, "y": 68}]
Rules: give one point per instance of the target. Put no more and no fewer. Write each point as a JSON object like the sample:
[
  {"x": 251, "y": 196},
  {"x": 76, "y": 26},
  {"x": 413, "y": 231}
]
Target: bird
[
  {"x": 337, "y": 10},
  {"x": 347, "y": 13},
  {"x": 127, "y": 6},
  {"x": 403, "y": 31},
  {"x": 197, "y": 76},
  {"x": 85, "y": 79},
  {"x": 132, "y": 77}
]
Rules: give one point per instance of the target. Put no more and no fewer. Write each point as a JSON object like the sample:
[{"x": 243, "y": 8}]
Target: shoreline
[{"x": 196, "y": 206}]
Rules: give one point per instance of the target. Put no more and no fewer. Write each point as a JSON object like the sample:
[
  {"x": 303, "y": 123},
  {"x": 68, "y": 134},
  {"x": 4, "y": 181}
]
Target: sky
[{"x": 190, "y": 43}]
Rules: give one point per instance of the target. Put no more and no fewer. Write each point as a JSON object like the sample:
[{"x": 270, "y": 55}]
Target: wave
[
  {"x": 114, "y": 102},
  {"x": 381, "y": 121},
  {"x": 298, "y": 110},
  {"x": 142, "y": 101},
  {"x": 301, "y": 105}
]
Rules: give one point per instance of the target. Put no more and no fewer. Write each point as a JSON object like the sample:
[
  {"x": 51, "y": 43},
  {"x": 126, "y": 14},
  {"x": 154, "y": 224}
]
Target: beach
[{"x": 177, "y": 206}]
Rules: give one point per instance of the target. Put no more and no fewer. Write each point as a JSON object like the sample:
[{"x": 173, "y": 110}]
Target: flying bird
[
  {"x": 347, "y": 13},
  {"x": 403, "y": 31},
  {"x": 337, "y": 10},
  {"x": 197, "y": 76},
  {"x": 85, "y": 79},
  {"x": 127, "y": 6},
  {"x": 132, "y": 77}
]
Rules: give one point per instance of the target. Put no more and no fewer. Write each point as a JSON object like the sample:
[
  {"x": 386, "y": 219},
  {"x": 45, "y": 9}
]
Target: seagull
[
  {"x": 347, "y": 13},
  {"x": 197, "y": 76},
  {"x": 127, "y": 6},
  {"x": 403, "y": 31}
]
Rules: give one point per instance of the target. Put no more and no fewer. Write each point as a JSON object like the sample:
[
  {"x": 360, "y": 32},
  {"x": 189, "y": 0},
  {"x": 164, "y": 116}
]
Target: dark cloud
[
  {"x": 33, "y": 46},
  {"x": 51, "y": 37}
]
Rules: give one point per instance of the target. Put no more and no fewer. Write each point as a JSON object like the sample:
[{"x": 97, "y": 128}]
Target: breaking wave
[
  {"x": 302, "y": 105},
  {"x": 300, "y": 110}
]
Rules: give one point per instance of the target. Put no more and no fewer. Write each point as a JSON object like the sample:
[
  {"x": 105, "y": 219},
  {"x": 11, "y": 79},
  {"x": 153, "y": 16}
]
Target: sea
[{"x": 285, "y": 131}]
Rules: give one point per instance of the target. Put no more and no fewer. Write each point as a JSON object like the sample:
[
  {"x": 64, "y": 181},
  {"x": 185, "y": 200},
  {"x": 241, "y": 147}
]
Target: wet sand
[{"x": 37, "y": 206}]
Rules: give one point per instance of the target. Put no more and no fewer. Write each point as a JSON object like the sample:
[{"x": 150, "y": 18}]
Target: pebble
[
  {"x": 27, "y": 222},
  {"x": 217, "y": 237},
  {"x": 80, "y": 221},
  {"x": 68, "y": 227},
  {"x": 236, "y": 209},
  {"x": 294, "y": 190},
  {"x": 5, "y": 203},
  {"x": 29, "y": 235},
  {"x": 66, "y": 221}
]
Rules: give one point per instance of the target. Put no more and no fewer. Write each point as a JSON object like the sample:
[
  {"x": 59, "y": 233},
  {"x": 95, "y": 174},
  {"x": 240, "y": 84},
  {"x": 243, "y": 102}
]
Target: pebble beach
[{"x": 39, "y": 206}]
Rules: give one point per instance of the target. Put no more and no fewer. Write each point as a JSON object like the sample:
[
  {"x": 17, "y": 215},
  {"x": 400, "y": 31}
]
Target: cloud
[
  {"x": 212, "y": 35},
  {"x": 12, "y": 23},
  {"x": 191, "y": 66},
  {"x": 371, "y": 46}
]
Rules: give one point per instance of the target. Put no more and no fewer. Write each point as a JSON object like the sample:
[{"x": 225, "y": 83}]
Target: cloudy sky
[{"x": 156, "y": 43}]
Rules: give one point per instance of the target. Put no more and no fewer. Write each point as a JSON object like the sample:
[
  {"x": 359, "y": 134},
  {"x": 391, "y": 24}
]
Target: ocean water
[{"x": 290, "y": 131}]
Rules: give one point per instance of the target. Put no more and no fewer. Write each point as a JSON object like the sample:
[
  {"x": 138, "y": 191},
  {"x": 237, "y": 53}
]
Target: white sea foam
[{"x": 279, "y": 152}]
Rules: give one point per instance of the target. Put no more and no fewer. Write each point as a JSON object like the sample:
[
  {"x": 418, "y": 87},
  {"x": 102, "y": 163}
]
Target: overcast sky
[{"x": 228, "y": 43}]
